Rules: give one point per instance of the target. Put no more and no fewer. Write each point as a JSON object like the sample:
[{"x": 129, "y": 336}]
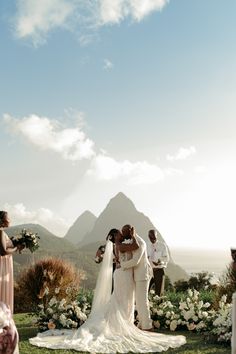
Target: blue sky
[{"x": 153, "y": 89}]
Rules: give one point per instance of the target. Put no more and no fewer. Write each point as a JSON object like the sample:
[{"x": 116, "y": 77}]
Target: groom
[{"x": 142, "y": 274}]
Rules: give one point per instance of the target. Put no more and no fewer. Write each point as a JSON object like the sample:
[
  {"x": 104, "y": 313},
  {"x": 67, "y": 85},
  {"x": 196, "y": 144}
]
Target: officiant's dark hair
[
  {"x": 3, "y": 215},
  {"x": 111, "y": 235}
]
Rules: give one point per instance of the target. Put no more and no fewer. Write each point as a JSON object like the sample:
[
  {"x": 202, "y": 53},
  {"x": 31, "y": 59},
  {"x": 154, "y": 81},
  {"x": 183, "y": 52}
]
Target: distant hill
[
  {"x": 81, "y": 227},
  {"x": 119, "y": 211},
  {"x": 51, "y": 245},
  {"x": 48, "y": 241}
]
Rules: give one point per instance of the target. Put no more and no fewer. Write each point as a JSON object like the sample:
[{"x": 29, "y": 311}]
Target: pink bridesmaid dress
[{"x": 6, "y": 277}]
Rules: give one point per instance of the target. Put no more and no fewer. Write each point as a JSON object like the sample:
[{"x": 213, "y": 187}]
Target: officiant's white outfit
[
  {"x": 110, "y": 326},
  {"x": 142, "y": 272}
]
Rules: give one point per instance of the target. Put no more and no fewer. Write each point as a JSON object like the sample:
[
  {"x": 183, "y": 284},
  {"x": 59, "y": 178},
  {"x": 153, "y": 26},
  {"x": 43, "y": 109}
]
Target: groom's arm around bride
[{"x": 139, "y": 261}]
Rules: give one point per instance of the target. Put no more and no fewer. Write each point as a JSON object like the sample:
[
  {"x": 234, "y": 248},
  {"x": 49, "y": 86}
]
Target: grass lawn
[{"x": 195, "y": 342}]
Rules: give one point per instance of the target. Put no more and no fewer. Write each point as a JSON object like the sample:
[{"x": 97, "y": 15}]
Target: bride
[{"x": 110, "y": 326}]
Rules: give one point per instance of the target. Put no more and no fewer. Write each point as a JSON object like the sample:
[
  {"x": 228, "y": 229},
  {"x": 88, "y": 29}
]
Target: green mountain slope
[{"x": 51, "y": 245}]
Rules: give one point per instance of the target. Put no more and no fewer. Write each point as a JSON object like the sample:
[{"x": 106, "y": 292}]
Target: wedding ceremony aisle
[{"x": 195, "y": 342}]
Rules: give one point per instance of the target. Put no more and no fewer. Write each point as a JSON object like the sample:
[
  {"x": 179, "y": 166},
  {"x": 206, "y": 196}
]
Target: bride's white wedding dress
[{"x": 110, "y": 327}]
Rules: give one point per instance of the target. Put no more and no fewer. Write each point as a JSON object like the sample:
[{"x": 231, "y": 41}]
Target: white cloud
[
  {"x": 135, "y": 173},
  {"x": 107, "y": 64},
  {"x": 117, "y": 10},
  {"x": 35, "y": 19},
  {"x": 182, "y": 154},
  {"x": 20, "y": 215},
  {"x": 71, "y": 143}
]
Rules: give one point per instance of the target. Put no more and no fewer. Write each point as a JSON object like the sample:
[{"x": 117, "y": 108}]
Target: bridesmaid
[{"x": 6, "y": 263}]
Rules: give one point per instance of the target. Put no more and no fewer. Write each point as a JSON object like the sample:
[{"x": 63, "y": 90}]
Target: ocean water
[{"x": 198, "y": 260}]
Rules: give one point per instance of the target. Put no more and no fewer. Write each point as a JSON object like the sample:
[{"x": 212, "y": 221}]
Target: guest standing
[
  {"x": 6, "y": 263},
  {"x": 159, "y": 257}
]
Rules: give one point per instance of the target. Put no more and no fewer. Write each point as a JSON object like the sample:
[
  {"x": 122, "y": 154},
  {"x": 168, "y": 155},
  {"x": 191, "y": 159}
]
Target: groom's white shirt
[{"x": 139, "y": 262}]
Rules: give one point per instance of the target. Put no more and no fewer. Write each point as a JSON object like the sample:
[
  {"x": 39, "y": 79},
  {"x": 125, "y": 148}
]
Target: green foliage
[
  {"x": 85, "y": 295},
  {"x": 227, "y": 284},
  {"x": 168, "y": 284},
  {"x": 181, "y": 285},
  {"x": 175, "y": 297},
  {"x": 208, "y": 295},
  {"x": 197, "y": 281}
]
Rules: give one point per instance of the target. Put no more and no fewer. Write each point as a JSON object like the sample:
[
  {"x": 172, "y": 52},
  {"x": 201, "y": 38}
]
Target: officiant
[{"x": 158, "y": 256}]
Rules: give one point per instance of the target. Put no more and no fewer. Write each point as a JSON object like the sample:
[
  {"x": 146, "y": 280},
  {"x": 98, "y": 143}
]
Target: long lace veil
[{"x": 102, "y": 293}]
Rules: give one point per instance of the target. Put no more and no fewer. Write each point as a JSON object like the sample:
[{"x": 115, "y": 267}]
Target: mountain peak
[
  {"x": 119, "y": 211},
  {"x": 121, "y": 199},
  {"x": 87, "y": 213},
  {"x": 120, "y": 195},
  {"x": 82, "y": 225}
]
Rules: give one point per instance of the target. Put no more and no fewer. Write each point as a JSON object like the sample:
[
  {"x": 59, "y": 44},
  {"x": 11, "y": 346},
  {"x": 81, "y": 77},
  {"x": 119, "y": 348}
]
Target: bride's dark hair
[
  {"x": 3, "y": 215},
  {"x": 111, "y": 235}
]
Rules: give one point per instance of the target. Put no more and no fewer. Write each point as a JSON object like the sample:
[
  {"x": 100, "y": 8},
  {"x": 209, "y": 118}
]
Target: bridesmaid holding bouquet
[{"x": 6, "y": 263}]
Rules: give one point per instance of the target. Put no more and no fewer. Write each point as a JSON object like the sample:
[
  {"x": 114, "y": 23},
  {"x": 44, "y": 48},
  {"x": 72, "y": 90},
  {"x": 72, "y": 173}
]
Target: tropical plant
[
  {"x": 227, "y": 284},
  {"x": 42, "y": 279}
]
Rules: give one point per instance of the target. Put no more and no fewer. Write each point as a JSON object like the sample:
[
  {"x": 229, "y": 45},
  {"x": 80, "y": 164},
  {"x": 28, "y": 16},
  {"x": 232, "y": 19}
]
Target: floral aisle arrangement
[
  {"x": 193, "y": 314},
  {"x": 163, "y": 313},
  {"x": 190, "y": 313},
  {"x": 27, "y": 239},
  {"x": 63, "y": 313},
  {"x": 221, "y": 321}
]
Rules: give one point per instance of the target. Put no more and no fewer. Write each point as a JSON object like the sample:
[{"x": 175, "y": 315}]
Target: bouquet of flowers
[
  {"x": 27, "y": 239},
  {"x": 128, "y": 241},
  {"x": 99, "y": 254}
]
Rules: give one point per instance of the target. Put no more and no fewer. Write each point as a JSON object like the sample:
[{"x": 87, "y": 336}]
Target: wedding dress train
[{"x": 110, "y": 327}]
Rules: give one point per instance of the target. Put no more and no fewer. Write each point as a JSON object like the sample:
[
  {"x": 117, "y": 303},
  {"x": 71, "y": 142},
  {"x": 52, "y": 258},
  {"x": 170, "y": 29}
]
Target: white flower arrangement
[
  {"x": 222, "y": 321},
  {"x": 62, "y": 313},
  {"x": 193, "y": 314}
]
